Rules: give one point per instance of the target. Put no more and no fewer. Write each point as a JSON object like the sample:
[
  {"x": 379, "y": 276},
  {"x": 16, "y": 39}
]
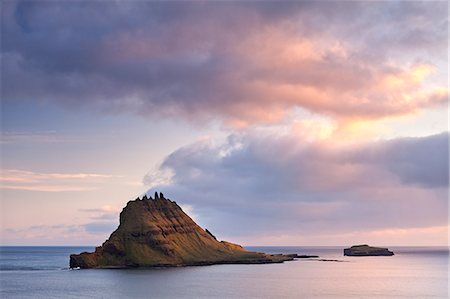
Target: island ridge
[{"x": 156, "y": 232}]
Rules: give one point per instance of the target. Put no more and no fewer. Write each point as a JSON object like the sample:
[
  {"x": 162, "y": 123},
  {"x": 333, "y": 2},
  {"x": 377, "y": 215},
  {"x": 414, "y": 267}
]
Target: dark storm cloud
[
  {"x": 253, "y": 178},
  {"x": 242, "y": 62}
]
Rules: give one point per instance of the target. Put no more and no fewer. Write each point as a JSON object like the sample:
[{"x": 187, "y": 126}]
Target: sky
[{"x": 270, "y": 123}]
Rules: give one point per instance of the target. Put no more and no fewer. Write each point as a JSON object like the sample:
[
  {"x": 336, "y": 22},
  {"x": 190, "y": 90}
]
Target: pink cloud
[
  {"x": 242, "y": 64},
  {"x": 318, "y": 186},
  {"x": 15, "y": 179}
]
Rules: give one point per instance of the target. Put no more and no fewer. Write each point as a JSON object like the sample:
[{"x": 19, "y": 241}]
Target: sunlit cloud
[
  {"x": 14, "y": 179},
  {"x": 313, "y": 184},
  {"x": 315, "y": 113},
  {"x": 255, "y": 70},
  {"x": 159, "y": 176},
  {"x": 429, "y": 236},
  {"x": 47, "y": 188}
]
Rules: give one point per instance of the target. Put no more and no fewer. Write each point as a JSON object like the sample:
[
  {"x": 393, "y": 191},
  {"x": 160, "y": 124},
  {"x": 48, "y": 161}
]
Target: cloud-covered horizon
[
  {"x": 243, "y": 63},
  {"x": 258, "y": 184}
]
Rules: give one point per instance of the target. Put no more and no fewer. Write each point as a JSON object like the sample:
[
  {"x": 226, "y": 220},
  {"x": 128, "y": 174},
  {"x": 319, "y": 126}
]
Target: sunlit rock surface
[{"x": 156, "y": 232}]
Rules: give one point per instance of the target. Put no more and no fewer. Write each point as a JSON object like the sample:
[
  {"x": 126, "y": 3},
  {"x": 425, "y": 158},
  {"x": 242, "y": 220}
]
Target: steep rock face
[
  {"x": 366, "y": 250},
  {"x": 156, "y": 232}
]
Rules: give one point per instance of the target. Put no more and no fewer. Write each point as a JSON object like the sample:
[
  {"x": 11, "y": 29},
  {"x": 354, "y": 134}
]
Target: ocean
[{"x": 414, "y": 272}]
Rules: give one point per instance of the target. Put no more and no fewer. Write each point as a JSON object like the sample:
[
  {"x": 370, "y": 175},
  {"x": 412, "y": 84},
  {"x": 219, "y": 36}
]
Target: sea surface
[{"x": 414, "y": 272}]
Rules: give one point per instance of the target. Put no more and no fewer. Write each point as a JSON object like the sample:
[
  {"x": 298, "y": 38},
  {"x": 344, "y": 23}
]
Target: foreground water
[{"x": 414, "y": 272}]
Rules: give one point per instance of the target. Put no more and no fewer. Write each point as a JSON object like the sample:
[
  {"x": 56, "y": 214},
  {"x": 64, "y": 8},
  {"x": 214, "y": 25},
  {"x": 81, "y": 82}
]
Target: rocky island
[
  {"x": 366, "y": 250},
  {"x": 155, "y": 232}
]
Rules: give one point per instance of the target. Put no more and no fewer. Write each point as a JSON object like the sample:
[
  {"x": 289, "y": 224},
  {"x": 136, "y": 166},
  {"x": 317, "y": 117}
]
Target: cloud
[
  {"x": 106, "y": 212},
  {"x": 421, "y": 161},
  {"x": 59, "y": 234},
  {"x": 430, "y": 235},
  {"x": 92, "y": 230},
  {"x": 102, "y": 227},
  {"x": 15, "y": 179},
  {"x": 50, "y": 234},
  {"x": 243, "y": 63},
  {"x": 258, "y": 183},
  {"x": 7, "y": 138}
]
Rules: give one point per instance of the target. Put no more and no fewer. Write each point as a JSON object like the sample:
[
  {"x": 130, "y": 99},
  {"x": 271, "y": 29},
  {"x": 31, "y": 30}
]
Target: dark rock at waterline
[
  {"x": 366, "y": 250},
  {"x": 304, "y": 256}
]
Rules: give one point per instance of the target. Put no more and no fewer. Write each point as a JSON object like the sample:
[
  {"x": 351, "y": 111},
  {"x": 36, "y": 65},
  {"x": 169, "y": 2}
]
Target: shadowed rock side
[
  {"x": 366, "y": 250},
  {"x": 156, "y": 232}
]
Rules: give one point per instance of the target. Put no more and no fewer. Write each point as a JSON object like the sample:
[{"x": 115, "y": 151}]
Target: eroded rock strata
[{"x": 156, "y": 232}]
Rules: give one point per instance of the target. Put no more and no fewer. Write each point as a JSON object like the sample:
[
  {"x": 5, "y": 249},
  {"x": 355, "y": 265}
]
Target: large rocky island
[
  {"x": 156, "y": 232},
  {"x": 366, "y": 250}
]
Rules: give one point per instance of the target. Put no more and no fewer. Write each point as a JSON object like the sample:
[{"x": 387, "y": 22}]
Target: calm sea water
[{"x": 414, "y": 272}]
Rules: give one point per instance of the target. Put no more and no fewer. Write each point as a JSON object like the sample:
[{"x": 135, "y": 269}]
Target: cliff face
[{"x": 156, "y": 232}]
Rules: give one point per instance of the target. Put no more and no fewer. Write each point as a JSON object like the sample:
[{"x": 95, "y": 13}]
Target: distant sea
[{"x": 414, "y": 272}]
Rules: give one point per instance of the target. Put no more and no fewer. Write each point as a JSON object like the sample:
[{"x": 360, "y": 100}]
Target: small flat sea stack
[
  {"x": 366, "y": 250},
  {"x": 155, "y": 232}
]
